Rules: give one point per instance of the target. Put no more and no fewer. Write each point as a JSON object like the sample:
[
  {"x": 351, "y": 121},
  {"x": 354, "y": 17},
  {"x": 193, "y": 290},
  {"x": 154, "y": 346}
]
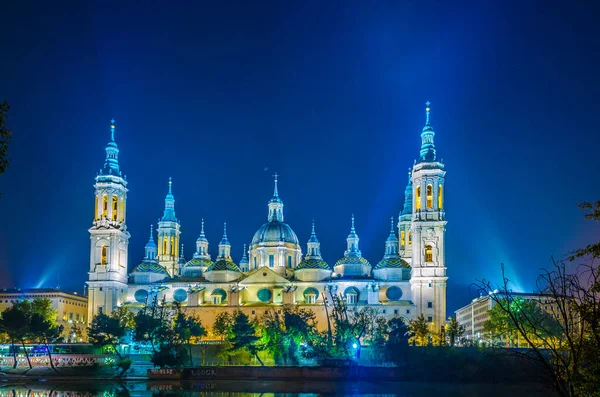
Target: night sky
[{"x": 331, "y": 96}]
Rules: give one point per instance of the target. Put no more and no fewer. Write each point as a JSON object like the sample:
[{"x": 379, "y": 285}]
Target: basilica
[{"x": 408, "y": 279}]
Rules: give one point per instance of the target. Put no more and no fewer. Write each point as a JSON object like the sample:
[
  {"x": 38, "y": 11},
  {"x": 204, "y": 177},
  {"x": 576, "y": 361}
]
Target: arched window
[
  {"x": 402, "y": 237},
  {"x": 104, "y": 206},
  {"x": 440, "y": 197},
  {"x": 164, "y": 251},
  {"x": 289, "y": 264},
  {"x": 418, "y": 197},
  {"x": 103, "y": 259},
  {"x": 409, "y": 238},
  {"x": 96, "y": 209},
  {"x": 428, "y": 253},
  {"x": 122, "y": 210},
  {"x": 172, "y": 246},
  {"x": 115, "y": 207},
  {"x": 429, "y": 196}
]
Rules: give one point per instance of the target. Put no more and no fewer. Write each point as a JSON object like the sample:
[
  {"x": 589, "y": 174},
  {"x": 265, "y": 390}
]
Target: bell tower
[
  {"x": 169, "y": 230},
  {"x": 109, "y": 238},
  {"x": 428, "y": 231}
]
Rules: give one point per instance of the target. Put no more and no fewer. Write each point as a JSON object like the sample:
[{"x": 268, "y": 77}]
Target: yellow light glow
[
  {"x": 418, "y": 197},
  {"x": 429, "y": 196},
  {"x": 440, "y": 197}
]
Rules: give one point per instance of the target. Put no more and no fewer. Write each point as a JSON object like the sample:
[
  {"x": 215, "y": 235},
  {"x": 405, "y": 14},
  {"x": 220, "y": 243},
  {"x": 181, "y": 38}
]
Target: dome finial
[
  {"x": 151, "y": 233},
  {"x": 112, "y": 129},
  {"x": 392, "y": 225},
  {"x": 427, "y": 110},
  {"x": 352, "y": 230},
  {"x": 224, "y": 229},
  {"x": 313, "y": 227},
  {"x": 275, "y": 192},
  {"x": 202, "y": 229}
]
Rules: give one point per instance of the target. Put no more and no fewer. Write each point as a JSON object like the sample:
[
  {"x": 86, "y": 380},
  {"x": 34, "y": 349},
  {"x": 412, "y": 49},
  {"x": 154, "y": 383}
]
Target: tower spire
[
  {"x": 111, "y": 164},
  {"x": 169, "y": 213},
  {"x": 275, "y": 204},
  {"x": 112, "y": 129},
  {"x": 392, "y": 225},
  {"x": 352, "y": 230},
  {"x": 275, "y": 192},
  {"x": 427, "y": 153}
]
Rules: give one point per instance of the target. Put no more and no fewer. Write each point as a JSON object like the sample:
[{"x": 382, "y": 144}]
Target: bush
[{"x": 124, "y": 364}]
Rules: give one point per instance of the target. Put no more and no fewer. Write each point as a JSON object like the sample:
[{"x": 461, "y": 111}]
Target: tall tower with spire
[
  {"x": 169, "y": 230},
  {"x": 405, "y": 222},
  {"x": 428, "y": 230},
  {"x": 109, "y": 238}
]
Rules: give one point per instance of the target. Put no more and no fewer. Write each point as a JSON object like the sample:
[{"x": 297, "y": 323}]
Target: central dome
[{"x": 275, "y": 232}]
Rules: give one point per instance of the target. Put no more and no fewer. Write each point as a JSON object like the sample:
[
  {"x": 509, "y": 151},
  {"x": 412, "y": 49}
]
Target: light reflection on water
[{"x": 236, "y": 388}]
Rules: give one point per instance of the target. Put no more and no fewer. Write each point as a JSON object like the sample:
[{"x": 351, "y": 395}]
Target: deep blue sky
[{"x": 329, "y": 95}]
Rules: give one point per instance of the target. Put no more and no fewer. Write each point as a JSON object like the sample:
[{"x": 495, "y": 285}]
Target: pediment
[{"x": 264, "y": 275}]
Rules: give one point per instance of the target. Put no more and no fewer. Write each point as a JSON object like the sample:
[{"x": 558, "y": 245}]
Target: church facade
[{"x": 409, "y": 278}]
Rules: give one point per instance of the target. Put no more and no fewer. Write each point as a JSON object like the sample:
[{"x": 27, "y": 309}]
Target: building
[
  {"x": 71, "y": 309},
  {"x": 408, "y": 279},
  {"x": 476, "y": 313}
]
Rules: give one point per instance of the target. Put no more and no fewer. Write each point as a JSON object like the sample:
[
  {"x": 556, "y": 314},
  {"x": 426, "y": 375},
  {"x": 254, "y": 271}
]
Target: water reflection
[{"x": 263, "y": 389}]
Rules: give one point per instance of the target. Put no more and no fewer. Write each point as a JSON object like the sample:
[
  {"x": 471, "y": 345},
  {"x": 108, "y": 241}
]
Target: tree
[
  {"x": 106, "y": 331},
  {"x": 420, "y": 331},
  {"x": 454, "y": 331},
  {"x": 351, "y": 326},
  {"x": 125, "y": 316},
  {"x": 397, "y": 343},
  {"x": 15, "y": 322},
  {"x": 222, "y": 325},
  {"x": 5, "y": 136},
  {"x": 284, "y": 332},
  {"x": 565, "y": 342},
  {"x": 188, "y": 328},
  {"x": 243, "y": 336},
  {"x": 44, "y": 331}
]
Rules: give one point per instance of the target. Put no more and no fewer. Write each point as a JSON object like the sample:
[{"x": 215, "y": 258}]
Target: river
[{"x": 263, "y": 389}]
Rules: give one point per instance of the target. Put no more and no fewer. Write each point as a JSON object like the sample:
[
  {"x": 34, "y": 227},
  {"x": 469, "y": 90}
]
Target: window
[
  {"x": 402, "y": 236},
  {"x": 407, "y": 311},
  {"x": 310, "y": 299},
  {"x": 409, "y": 238},
  {"x": 164, "y": 250},
  {"x": 395, "y": 311},
  {"x": 115, "y": 207},
  {"x": 104, "y": 206},
  {"x": 430, "y": 285},
  {"x": 429, "y": 196},
  {"x": 428, "y": 253},
  {"x": 383, "y": 311},
  {"x": 430, "y": 305},
  {"x": 103, "y": 259},
  {"x": 289, "y": 261},
  {"x": 172, "y": 246},
  {"x": 418, "y": 198},
  {"x": 440, "y": 197},
  {"x": 351, "y": 299},
  {"x": 255, "y": 262},
  {"x": 253, "y": 312},
  {"x": 122, "y": 210},
  {"x": 216, "y": 299},
  {"x": 77, "y": 318},
  {"x": 429, "y": 319},
  {"x": 100, "y": 309},
  {"x": 271, "y": 260},
  {"x": 100, "y": 289},
  {"x": 96, "y": 208}
]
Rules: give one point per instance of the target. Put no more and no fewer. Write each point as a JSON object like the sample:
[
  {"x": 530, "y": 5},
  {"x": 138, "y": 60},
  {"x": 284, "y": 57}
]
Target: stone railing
[{"x": 60, "y": 360}]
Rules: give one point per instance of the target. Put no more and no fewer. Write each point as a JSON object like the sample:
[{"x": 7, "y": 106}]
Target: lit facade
[
  {"x": 476, "y": 313},
  {"x": 409, "y": 279},
  {"x": 71, "y": 309}
]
